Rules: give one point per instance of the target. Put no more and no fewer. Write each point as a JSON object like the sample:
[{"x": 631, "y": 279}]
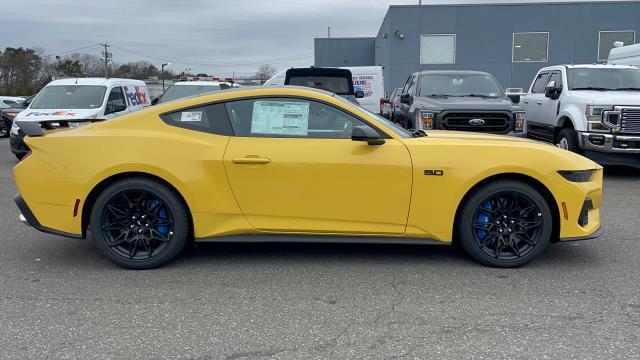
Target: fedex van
[{"x": 71, "y": 102}]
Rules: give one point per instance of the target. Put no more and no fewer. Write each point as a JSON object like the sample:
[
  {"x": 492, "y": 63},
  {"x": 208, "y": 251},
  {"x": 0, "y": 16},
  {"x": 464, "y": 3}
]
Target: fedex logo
[
  {"x": 135, "y": 96},
  {"x": 55, "y": 113}
]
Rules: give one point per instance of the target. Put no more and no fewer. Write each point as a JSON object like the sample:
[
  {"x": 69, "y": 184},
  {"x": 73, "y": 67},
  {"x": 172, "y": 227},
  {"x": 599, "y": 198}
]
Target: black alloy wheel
[
  {"x": 139, "y": 223},
  {"x": 505, "y": 224}
]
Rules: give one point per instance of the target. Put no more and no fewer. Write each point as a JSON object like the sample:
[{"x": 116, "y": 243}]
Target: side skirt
[{"x": 329, "y": 239}]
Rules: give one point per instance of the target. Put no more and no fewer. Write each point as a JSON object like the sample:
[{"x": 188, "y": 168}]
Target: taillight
[{"x": 381, "y": 104}]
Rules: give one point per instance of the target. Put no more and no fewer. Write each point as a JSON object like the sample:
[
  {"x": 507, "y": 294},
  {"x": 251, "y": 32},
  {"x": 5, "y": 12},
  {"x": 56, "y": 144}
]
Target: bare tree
[{"x": 265, "y": 72}]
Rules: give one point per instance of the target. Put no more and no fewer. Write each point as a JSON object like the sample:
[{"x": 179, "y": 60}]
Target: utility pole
[
  {"x": 106, "y": 59},
  {"x": 329, "y": 32},
  {"x": 162, "y": 74}
]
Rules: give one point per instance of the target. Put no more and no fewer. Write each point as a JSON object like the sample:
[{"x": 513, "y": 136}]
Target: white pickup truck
[{"x": 593, "y": 110}]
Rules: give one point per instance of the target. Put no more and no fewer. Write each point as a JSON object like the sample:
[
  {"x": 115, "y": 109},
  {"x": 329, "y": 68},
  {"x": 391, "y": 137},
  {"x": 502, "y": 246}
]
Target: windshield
[
  {"x": 604, "y": 79},
  {"x": 390, "y": 125},
  {"x": 336, "y": 85},
  {"x": 460, "y": 85},
  {"x": 70, "y": 97},
  {"x": 184, "y": 91}
]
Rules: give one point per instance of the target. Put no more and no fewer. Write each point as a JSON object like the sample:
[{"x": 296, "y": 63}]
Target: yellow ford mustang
[{"x": 297, "y": 164}]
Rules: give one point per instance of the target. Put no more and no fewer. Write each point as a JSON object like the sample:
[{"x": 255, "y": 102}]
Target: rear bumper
[{"x": 29, "y": 219}]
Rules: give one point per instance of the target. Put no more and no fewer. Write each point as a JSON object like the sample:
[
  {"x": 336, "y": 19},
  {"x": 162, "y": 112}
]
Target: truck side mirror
[
  {"x": 406, "y": 98},
  {"x": 552, "y": 91}
]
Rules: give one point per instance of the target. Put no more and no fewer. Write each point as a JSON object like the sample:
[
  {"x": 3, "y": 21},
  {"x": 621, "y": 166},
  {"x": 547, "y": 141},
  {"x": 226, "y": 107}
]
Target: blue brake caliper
[
  {"x": 162, "y": 214},
  {"x": 482, "y": 218}
]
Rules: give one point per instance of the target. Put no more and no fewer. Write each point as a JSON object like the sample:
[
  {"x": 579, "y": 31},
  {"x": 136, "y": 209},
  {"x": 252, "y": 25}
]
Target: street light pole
[{"x": 162, "y": 74}]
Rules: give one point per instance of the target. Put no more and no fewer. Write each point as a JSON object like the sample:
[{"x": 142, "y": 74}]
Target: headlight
[
  {"x": 577, "y": 175},
  {"x": 425, "y": 120},
  {"x": 520, "y": 121},
  {"x": 14, "y": 128},
  {"x": 594, "y": 114}
]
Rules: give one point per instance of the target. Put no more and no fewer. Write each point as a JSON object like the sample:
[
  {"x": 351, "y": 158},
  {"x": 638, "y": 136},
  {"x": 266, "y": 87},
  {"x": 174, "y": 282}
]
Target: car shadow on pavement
[{"x": 621, "y": 171}]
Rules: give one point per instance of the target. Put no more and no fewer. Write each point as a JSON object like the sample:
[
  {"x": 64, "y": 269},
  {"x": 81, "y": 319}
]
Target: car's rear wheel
[
  {"x": 5, "y": 127},
  {"x": 505, "y": 223},
  {"x": 139, "y": 223}
]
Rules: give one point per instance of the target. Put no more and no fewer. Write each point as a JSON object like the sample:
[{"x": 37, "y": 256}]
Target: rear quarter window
[{"x": 208, "y": 118}]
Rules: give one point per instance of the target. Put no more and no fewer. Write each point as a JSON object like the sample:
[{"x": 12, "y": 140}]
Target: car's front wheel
[
  {"x": 139, "y": 223},
  {"x": 505, "y": 223},
  {"x": 5, "y": 127}
]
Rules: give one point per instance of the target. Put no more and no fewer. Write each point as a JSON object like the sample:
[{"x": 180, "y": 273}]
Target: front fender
[{"x": 575, "y": 115}]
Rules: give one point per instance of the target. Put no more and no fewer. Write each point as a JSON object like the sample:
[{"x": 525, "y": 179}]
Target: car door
[
  {"x": 293, "y": 167},
  {"x": 533, "y": 106},
  {"x": 115, "y": 99},
  {"x": 549, "y": 108}
]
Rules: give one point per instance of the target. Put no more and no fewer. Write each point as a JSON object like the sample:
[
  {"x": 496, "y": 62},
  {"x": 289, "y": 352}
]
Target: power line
[
  {"x": 75, "y": 50},
  {"x": 290, "y": 58}
]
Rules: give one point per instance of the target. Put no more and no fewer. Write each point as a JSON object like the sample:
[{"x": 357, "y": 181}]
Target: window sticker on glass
[
  {"x": 280, "y": 118},
  {"x": 191, "y": 116}
]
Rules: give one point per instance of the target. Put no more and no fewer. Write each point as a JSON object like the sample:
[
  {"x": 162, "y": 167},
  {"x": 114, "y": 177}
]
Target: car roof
[
  {"x": 202, "y": 83},
  {"x": 605, "y": 66},
  {"x": 451, "y": 72},
  {"x": 97, "y": 81}
]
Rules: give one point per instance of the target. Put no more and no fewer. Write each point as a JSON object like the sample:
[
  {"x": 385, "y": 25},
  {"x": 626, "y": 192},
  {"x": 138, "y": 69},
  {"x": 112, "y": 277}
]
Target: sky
[{"x": 212, "y": 36}]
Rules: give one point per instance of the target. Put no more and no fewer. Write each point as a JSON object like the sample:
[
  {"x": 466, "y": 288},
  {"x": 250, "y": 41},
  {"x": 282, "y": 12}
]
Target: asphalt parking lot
[{"x": 61, "y": 299}]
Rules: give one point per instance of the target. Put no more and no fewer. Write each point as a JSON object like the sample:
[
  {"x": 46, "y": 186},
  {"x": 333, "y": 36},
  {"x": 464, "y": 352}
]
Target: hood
[
  {"x": 56, "y": 114},
  {"x": 541, "y": 150},
  {"x": 608, "y": 97},
  {"x": 466, "y": 103}
]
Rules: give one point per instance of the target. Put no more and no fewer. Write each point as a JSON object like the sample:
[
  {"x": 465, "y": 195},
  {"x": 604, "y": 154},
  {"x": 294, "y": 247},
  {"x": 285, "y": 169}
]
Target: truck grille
[
  {"x": 497, "y": 123},
  {"x": 631, "y": 120}
]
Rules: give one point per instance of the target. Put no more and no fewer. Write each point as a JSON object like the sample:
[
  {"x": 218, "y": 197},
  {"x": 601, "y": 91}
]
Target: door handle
[
  {"x": 251, "y": 160},
  {"x": 539, "y": 102}
]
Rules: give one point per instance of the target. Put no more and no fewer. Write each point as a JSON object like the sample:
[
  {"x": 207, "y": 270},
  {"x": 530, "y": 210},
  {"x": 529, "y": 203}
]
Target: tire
[
  {"x": 567, "y": 139},
  {"x": 496, "y": 233},
  {"x": 5, "y": 127},
  {"x": 139, "y": 223}
]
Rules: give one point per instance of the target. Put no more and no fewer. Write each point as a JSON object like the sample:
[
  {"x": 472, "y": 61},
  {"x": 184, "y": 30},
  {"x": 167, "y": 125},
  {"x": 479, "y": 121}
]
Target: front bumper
[
  {"x": 611, "y": 149},
  {"x": 27, "y": 218},
  {"x": 17, "y": 144}
]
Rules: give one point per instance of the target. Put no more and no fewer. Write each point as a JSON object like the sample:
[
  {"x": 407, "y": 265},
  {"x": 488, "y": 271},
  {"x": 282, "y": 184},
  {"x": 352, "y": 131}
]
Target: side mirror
[
  {"x": 359, "y": 94},
  {"x": 365, "y": 133},
  {"x": 116, "y": 108},
  {"x": 386, "y": 101},
  {"x": 515, "y": 98},
  {"x": 25, "y": 104},
  {"x": 155, "y": 100},
  {"x": 406, "y": 98},
  {"x": 552, "y": 91}
]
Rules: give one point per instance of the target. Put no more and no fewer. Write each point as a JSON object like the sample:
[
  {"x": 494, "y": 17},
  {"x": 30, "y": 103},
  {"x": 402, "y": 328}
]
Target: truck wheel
[
  {"x": 505, "y": 223},
  {"x": 567, "y": 140}
]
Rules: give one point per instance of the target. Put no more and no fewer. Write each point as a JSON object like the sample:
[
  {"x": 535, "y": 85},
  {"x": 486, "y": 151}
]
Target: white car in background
[
  {"x": 11, "y": 101},
  {"x": 72, "y": 102},
  {"x": 184, "y": 89}
]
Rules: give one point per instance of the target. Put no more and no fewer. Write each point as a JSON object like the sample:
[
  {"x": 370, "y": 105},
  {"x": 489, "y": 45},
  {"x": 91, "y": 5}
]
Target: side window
[
  {"x": 406, "y": 85},
  {"x": 116, "y": 98},
  {"x": 412, "y": 85},
  {"x": 557, "y": 77},
  {"x": 541, "y": 82},
  {"x": 287, "y": 117},
  {"x": 209, "y": 118}
]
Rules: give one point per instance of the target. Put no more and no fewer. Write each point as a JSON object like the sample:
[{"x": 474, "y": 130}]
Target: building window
[
  {"x": 607, "y": 38},
  {"x": 438, "y": 49},
  {"x": 530, "y": 47}
]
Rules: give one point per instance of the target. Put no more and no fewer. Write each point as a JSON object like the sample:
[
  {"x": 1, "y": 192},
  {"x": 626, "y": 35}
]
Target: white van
[
  {"x": 368, "y": 79},
  {"x": 76, "y": 100},
  {"x": 625, "y": 55}
]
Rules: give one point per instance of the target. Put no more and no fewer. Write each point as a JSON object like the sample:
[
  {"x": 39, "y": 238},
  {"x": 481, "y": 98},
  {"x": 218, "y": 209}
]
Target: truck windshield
[
  {"x": 184, "y": 91},
  {"x": 603, "y": 79},
  {"x": 334, "y": 84},
  {"x": 460, "y": 85},
  {"x": 70, "y": 97}
]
